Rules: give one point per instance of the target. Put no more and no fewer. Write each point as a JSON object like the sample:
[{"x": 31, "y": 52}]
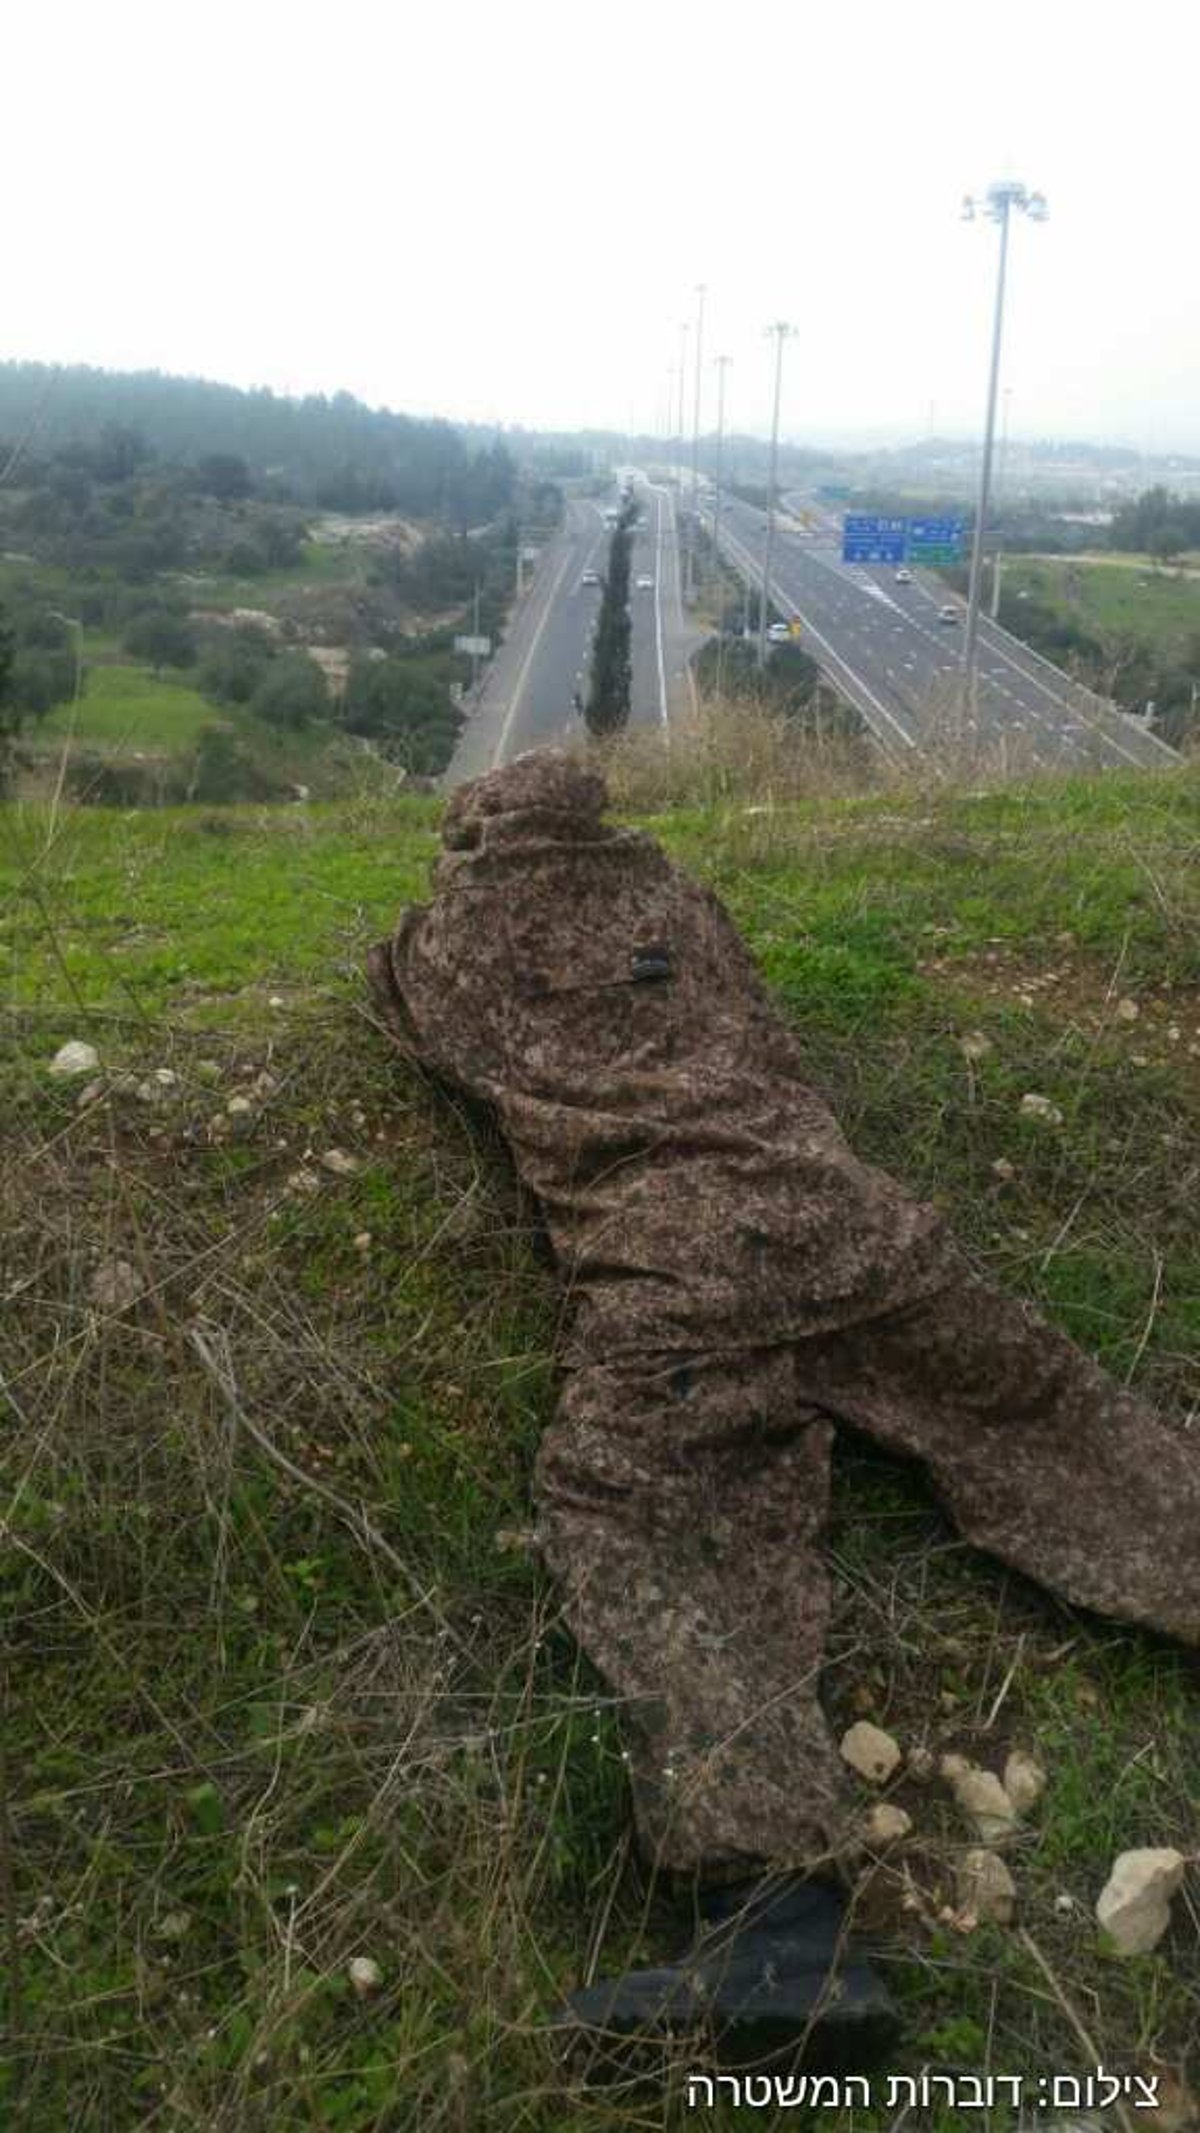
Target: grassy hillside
[
  {"x": 1118, "y": 596},
  {"x": 282, "y": 1685}
]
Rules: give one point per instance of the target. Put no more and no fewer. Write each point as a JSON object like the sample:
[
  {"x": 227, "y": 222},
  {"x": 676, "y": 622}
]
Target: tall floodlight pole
[
  {"x": 997, "y": 205},
  {"x": 683, "y": 337},
  {"x": 1001, "y": 470},
  {"x": 722, "y": 365},
  {"x": 781, "y": 331},
  {"x": 691, "y": 546}
]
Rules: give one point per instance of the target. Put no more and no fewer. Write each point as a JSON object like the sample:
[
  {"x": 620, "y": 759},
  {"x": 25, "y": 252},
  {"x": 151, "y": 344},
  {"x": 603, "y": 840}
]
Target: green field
[
  {"x": 283, "y": 1685},
  {"x": 126, "y": 708},
  {"x": 1116, "y": 599}
]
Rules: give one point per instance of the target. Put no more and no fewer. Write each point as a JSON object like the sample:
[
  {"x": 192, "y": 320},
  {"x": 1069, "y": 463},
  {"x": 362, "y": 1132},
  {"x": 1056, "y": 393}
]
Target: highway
[
  {"x": 885, "y": 649},
  {"x": 525, "y": 696}
]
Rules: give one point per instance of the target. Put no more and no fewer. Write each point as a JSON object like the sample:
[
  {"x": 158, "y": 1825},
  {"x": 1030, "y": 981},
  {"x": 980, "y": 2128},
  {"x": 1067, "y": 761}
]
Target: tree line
[{"x": 607, "y": 708}]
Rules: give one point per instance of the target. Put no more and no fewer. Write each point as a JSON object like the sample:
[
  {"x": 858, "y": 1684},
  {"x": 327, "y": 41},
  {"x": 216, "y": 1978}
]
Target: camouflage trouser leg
[
  {"x": 1038, "y": 1455},
  {"x": 680, "y": 1504}
]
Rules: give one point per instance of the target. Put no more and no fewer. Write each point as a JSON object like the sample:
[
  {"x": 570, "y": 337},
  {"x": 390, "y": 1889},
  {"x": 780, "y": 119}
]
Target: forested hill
[{"x": 335, "y": 452}]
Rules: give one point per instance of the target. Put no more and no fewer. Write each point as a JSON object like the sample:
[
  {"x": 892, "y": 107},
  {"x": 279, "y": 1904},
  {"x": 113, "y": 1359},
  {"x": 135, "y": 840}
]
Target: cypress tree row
[{"x": 607, "y": 709}]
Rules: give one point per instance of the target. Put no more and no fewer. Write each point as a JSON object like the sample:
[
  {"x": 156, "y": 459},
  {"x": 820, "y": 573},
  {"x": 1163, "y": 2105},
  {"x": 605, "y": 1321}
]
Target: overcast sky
[{"x": 501, "y": 212}]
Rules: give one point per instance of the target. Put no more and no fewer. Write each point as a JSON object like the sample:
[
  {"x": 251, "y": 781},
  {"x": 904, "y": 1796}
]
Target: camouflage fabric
[{"x": 737, "y": 1282}]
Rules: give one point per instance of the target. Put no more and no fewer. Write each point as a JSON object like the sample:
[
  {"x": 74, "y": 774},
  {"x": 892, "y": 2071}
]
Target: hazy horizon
[{"x": 460, "y": 218}]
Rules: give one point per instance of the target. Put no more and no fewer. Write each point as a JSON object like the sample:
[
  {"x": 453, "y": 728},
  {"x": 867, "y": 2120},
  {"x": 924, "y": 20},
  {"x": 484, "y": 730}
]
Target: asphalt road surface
[
  {"x": 525, "y": 697},
  {"x": 885, "y": 649}
]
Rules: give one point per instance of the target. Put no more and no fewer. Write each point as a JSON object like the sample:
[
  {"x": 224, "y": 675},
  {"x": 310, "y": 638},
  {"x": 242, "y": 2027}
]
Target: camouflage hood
[{"x": 544, "y": 797}]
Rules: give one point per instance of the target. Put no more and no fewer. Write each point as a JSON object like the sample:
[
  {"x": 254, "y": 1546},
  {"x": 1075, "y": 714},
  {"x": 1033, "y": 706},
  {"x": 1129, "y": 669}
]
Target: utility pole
[
  {"x": 999, "y": 203},
  {"x": 1001, "y": 468},
  {"x": 781, "y": 331},
  {"x": 691, "y": 546},
  {"x": 722, "y": 366},
  {"x": 475, "y": 654}
]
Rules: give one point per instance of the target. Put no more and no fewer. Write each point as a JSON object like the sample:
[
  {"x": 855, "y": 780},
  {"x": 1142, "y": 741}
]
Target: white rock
[
  {"x": 362, "y": 1243},
  {"x": 275, "y": 1000},
  {"x": 239, "y": 1107},
  {"x": 116, "y": 1285},
  {"x": 1004, "y": 1170},
  {"x": 173, "y": 1926},
  {"x": 870, "y": 1751},
  {"x": 887, "y": 1824},
  {"x": 1127, "y": 1010},
  {"x": 922, "y": 1764},
  {"x": 1134, "y": 1906},
  {"x": 338, "y": 1163},
  {"x": 75, "y": 1058},
  {"x": 985, "y": 1887},
  {"x": 1024, "y": 1780},
  {"x": 982, "y": 1799},
  {"x": 365, "y": 1975},
  {"x": 304, "y": 1181},
  {"x": 1033, "y": 1106}
]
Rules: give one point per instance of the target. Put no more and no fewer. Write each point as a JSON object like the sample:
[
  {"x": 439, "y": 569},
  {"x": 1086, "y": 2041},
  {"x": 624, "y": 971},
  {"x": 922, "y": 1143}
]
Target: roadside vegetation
[
  {"x": 607, "y": 708},
  {"x": 309, "y": 1809}
]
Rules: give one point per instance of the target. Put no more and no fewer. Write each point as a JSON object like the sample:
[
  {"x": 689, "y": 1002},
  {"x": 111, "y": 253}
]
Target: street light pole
[
  {"x": 691, "y": 546},
  {"x": 683, "y": 335},
  {"x": 1001, "y": 470},
  {"x": 999, "y": 203},
  {"x": 781, "y": 330},
  {"x": 722, "y": 366}
]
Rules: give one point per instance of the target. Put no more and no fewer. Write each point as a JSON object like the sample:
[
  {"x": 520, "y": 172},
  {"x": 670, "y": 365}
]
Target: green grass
[
  {"x": 125, "y": 708},
  {"x": 1118, "y": 599},
  {"x": 283, "y": 1687}
]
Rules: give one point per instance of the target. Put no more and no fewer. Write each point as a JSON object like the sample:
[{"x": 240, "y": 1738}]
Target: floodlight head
[
  {"x": 1036, "y": 208},
  {"x": 968, "y": 208}
]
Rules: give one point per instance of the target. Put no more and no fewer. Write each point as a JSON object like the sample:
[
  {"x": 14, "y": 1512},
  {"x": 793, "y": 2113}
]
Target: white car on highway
[
  {"x": 645, "y": 585},
  {"x": 948, "y": 614},
  {"x": 779, "y": 633}
]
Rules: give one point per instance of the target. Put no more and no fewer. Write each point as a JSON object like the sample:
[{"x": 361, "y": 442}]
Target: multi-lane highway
[
  {"x": 528, "y": 694},
  {"x": 883, "y": 645}
]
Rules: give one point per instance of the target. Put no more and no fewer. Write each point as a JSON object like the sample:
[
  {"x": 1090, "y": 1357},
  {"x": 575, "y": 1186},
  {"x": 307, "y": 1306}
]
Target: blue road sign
[
  {"x": 935, "y": 540},
  {"x": 872, "y": 540}
]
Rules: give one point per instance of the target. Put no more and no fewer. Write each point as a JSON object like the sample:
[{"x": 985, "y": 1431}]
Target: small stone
[
  {"x": 1004, "y": 1170},
  {"x": 338, "y": 1163},
  {"x": 365, "y": 1975},
  {"x": 173, "y": 1926},
  {"x": 887, "y": 1824},
  {"x": 1033, "y": 1106},
  {"x": 985, "y": 1887},
  {"x": 870, "y": 1751},
  {"x": 1127, "y": 1010},
  {"x": 922, "y": 1765},
  {"x": 116, "y": 1285},
  {"x": 1024, "y": 1780},
  {"x": 362, "y": 1242},
  {"x": 275, "y": 1000},
  {"x": 1134, "y": 1906},
  {"x": 304, "y": 1181},
  {"x": 165, "y": 1078},
  {"x": 74, "y": 1058},
  {"x": 89, "y": 1095},
  {"x": 265, "y": 1084},
  {"x": 982, "y": 1798},
  {"x": 239, "y": 1107}
]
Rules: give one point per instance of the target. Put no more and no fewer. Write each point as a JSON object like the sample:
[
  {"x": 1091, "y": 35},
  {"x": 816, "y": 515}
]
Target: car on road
[
  {"x": 947, "y": 614},
  {"x": 904, "y": 577},
  {"x": 779, "y": 633},
  {"x": 645, "y": 585},
  {"x": 590, "y": 577}
]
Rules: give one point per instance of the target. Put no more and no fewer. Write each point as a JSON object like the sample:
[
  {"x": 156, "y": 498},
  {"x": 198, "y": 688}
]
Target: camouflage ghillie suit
[{"x": 737, "y": 1283}]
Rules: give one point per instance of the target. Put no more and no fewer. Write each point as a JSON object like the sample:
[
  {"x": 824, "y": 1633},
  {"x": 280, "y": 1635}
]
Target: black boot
[{"x": 768, "y": 1974}]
